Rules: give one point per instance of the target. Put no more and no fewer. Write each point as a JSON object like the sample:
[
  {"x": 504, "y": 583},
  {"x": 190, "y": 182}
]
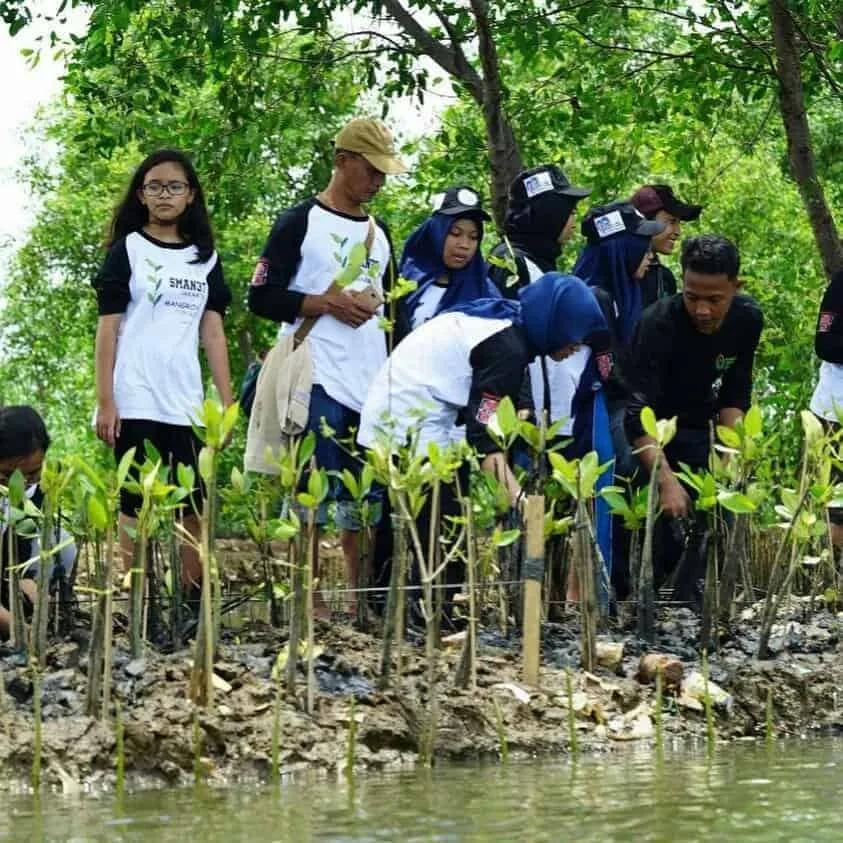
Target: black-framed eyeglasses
[{"x": 174, "y": 188}]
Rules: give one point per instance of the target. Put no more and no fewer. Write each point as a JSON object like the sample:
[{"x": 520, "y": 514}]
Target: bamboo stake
[
  {"x": 533, "y": 573},
  {"x": 309, "y": 571}
]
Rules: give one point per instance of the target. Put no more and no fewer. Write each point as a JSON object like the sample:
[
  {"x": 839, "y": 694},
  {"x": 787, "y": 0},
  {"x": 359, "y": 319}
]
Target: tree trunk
[
  {"x": 799, "y": 147},
  {"x": 504, "y": 154}
]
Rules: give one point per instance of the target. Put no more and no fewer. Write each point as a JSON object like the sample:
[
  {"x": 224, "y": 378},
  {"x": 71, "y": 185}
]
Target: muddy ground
[{"x": 611, "y": 706}]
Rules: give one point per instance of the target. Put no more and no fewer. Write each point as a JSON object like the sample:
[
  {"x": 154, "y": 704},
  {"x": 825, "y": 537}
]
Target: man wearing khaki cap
[{"x": 308, "y": 248}]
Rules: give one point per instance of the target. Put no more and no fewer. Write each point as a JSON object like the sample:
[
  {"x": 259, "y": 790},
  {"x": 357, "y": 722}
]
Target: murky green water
[{"x": 746, "y": 792}]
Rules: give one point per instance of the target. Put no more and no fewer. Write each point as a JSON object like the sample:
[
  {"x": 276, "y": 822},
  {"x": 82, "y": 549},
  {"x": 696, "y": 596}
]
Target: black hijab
[{"x": 534, "y": 225}]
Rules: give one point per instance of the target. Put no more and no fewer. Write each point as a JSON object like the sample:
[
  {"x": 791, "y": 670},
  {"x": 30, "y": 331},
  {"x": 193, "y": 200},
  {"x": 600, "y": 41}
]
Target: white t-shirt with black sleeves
[
  {"x": 162, "y": 296},
  {"x": 452, "y": 362},
  {"x": 306, "y": 250}
]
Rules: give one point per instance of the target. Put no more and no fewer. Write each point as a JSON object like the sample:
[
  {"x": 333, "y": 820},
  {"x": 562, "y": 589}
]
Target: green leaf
[
  {"x": 306, "y": 448},
  {"x": 752, "y": 421},
  {"x": 504, "y": 538},
  {"x": 735, "y": 502},
  {"x": 17, "y": 488},
  {"x": 186, "y": 476},
  {"x": 125, "y": 466},
  {"x": 728, "y": 436},
  {"x": 507, "y": 418},
  {"x": 648, "y": 422},
  {"x": 206, "y": 463},
  {"x": 97, "y": 513}
]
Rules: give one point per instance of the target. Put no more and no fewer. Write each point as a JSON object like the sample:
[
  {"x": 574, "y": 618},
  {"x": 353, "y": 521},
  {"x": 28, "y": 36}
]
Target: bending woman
[
  {"x": 159, "y": 292},
  {"x": 467, "y": 360}
]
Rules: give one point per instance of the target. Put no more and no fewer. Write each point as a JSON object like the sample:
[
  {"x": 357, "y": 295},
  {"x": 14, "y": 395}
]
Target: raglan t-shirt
[
  {"x": 307, "y": 248},
  {"x": 556, "y": 380},
  {"x": 827, "y": 400},
  {"x": 162, "y": 297},
  {"x": 453, "y": 362},
  {"x": 678, "y": 371}
]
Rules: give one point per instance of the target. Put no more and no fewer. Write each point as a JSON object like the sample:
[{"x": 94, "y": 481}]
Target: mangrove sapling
[
  {"x": 103, "y": 503},
  {"x": 503, "y": 743},
  {"x": 120, "y": 749},
  {"x": 573, "y": 740},
  {"x": 398, "y": 469},
  {"x": 218, "y": 425},
  {"x": 37, "y": 726},
  {"x": 469, "y": 674},
  {"x": 16, "y": 518},
  {"x": 662, "y": 432},
  {"x": 394, "y": 614},
  {"x": 158, "y": 498},
  {"x": 740, "y": 448},
  {"x": 710, "y": 734},
  {"x": 351, "y": 746},
  {"x": 799, "y": 520},
  {"x": 360, "y": 490},
  {"x": 54, "y": 481},
  {"x": 505, "y": 428},
  {"x": 248, "y": 500},
  {"x": 658, "y": 714},
  {"x": 578, "y": 479}
]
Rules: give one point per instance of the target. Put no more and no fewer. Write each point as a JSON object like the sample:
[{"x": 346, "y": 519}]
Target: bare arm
[
  {"x": 212, "y": 334},
  {"x": 729, "y": 416},
  {"x": 108, "y": 418},
  {"x": 496, "y": 465},
  {"x": 673, "y": 496}
]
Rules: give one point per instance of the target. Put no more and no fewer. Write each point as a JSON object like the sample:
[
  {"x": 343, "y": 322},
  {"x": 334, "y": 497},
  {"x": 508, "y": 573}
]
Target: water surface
[{"x": 788, "y": 792}]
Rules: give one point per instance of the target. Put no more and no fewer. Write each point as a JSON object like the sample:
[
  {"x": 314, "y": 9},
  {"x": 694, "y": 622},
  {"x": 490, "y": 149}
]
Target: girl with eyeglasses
[{"x": 160, "y": 292}]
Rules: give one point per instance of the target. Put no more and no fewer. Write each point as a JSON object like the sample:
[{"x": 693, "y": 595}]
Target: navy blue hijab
[
  {"x": 611, "y": 264},
  {"x": 555, "y": 310},
  {"x": 423, "y": 263}
]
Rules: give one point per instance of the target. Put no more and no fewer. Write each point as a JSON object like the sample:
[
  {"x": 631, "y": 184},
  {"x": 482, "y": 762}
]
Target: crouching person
[
  {"x": 23, "y": 446},
  {"x": 692, "y": 358},
  {"x": 463, "y": 362}
]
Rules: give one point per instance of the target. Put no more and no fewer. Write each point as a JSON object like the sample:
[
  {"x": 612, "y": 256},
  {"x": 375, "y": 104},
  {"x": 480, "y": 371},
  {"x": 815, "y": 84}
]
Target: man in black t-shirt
[
  {"x": 692, "y": 358},
  {"x": 659, "y": 202}
]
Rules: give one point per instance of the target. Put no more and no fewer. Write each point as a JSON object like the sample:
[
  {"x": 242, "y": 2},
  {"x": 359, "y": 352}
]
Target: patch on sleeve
[
  {"x": 261, "y": 273},
  {"x": 605, "y": 363},
  {"x": 487, "y": 408},
  {"x": 826, "y": 319}
]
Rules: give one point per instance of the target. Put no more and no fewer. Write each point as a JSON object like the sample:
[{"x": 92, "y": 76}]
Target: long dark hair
[{"x": 193, "y": 225}]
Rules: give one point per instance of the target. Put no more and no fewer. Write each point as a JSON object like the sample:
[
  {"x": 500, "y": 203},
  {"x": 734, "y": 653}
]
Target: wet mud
[{"x": 168, "y": 741}]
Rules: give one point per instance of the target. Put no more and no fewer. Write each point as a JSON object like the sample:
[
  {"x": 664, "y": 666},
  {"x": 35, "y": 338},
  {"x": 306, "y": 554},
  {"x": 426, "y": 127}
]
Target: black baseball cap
[
  {"x": 544, "y": 179},
  {"x": 653, "y": 198},
  {"x": 459, "y": 201},
  {"x": 606, "y": 220}
]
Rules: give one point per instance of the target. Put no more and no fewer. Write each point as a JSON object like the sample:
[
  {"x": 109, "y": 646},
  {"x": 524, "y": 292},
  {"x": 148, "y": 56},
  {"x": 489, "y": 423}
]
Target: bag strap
[{"x": 309, "y": 321}]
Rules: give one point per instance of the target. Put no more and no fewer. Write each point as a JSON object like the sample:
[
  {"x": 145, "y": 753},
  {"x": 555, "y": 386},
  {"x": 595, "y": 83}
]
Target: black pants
[
  {"x": 676, "y": 541},
  {"x": 673, "y": 541}
]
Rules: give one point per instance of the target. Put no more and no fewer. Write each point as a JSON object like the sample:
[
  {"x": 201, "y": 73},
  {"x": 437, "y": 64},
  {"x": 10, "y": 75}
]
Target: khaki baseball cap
[{"x": 372, "y": 140}]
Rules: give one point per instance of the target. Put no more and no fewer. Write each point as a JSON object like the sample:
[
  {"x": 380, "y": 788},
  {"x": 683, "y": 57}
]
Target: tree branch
[{"x": 451, "y": 59}]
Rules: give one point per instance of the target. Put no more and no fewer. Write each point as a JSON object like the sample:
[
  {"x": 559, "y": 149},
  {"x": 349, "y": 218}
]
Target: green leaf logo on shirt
[
  {"x": 154, "y": 282},
  {"x": 722, "y": 363}
]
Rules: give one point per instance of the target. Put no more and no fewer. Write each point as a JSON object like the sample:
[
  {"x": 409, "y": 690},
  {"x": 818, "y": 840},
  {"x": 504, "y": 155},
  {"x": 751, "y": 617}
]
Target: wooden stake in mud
[{"x": 533, "y": 574}]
